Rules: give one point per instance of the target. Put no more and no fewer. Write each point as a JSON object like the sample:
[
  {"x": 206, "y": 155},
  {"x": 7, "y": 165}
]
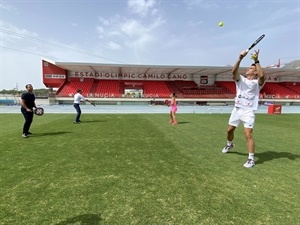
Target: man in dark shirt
[{"x": 27, "y": 103}]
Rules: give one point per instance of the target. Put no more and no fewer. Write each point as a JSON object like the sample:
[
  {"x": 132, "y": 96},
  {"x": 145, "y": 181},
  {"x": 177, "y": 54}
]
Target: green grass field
[{"x": 139, "y": 169}]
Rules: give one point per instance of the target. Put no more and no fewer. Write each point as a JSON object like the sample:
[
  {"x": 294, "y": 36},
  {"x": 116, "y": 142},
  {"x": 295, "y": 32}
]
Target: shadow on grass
[
  {"x": 93, "y": 121},
  {"x": 183, "y": 122},
  {"x": 50, "y": 133},
  {"x": 85, "y": 219},
  {"x": 270, "y": 155}
]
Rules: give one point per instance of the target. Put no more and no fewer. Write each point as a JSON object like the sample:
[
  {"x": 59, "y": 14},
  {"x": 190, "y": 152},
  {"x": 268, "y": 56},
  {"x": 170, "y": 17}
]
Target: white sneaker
[
  {"x": 227, "y": 148},
  {"x": 250, "y": 163},
  {"x": 24, "y": 135}
]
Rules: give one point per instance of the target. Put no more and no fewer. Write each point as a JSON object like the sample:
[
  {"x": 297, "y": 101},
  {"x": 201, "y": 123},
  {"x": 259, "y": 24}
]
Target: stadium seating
[
  {"x": 277, "y": 90},
  {"x": 61, "y": 90},
  {"x": 156, "y": 89},
  {"x": 294, "y": 86},
  {"x": 228, "y": 87},
  {"x": 172, "y": 87},
  {"x": 162, "y": 89},
  {"x": 179, "y": 84},
  {"x": 108, "y": 88},
  {"x": 70, "y": 88}
]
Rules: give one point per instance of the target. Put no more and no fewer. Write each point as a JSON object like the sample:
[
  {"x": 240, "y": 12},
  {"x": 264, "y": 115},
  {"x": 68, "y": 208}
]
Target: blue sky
[{"x": 151, "y": 32}]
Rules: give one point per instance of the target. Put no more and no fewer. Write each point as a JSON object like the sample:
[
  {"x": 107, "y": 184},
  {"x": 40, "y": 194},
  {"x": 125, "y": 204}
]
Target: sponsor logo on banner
[
  {"x": 277, "y": 109},
  {"x": 203, "y": 79},
  {"x": 55, "y": 76}
]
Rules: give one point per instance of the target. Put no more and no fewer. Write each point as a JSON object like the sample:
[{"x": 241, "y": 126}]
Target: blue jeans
[{"x": 78, "y": 110}]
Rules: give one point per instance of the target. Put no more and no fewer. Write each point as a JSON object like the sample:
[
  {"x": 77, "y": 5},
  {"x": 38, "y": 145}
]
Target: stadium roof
[{"x": 165, "y": 69}]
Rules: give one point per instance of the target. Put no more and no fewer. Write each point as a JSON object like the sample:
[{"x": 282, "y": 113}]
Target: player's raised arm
[
  {"x": 259, "y": 69},
  {"x": 235, "y": 69}
]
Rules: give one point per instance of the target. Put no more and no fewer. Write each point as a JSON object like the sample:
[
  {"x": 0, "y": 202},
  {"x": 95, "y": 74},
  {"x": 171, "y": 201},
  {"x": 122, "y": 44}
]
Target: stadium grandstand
[{"x": 120, "y": 84}]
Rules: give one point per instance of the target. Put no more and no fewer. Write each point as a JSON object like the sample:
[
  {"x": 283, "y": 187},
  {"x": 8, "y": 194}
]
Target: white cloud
[
  {"x": 114, "y": 33},
  {"x": 141, "y": 41},
  {"x": 159, "y": 21},
  {"x": 194, "y": 23},
  {"x": 104, "y": 21},
  {"x": 12, "y": 34},
  {"x": 6, "y": 7},
  {"x": 130, "y": 32},
  {"x": 100, "y": 29},
  {"x": 142, "y": 7},
  {"x": 155, "y": 12},
  {"x": 135, "y": 28},
  {"x": 201, "y": 3},
  {"x": 132, "y": 28},
  {"x": 113, "y": 45}
]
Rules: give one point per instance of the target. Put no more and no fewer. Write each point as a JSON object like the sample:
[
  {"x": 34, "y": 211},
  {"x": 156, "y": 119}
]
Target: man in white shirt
[
  {"x": 77, "y": 99},
  {"x": 246, "y": 103}
]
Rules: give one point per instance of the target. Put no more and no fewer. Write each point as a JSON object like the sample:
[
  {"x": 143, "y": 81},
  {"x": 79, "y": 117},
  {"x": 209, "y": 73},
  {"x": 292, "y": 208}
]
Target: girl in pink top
[{"x": 173, "y": 108}]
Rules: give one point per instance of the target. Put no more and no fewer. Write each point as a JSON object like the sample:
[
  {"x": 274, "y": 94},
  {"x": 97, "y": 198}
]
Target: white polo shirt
[
  {"x": 247, "y": 93},
  {"x": 77, "y": 98}
]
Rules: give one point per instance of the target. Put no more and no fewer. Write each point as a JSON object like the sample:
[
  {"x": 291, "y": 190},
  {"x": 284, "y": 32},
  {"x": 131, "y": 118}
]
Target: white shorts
[{"x": 239, "y": 115}]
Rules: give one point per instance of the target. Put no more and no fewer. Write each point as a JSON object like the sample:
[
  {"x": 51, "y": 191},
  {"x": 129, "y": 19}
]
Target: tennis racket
[
  {"x": 255, "y": 43},
  {"x": 166, "y": 102},
  {"x": 39, "y": 111}
]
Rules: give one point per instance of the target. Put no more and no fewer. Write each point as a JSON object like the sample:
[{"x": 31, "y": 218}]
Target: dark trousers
[
  {"x": 28, "y": 120},
  {"x": 78, "y": 110}
]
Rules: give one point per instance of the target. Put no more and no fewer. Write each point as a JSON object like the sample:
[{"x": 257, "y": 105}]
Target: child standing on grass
[{"x": 173, "y": 109}]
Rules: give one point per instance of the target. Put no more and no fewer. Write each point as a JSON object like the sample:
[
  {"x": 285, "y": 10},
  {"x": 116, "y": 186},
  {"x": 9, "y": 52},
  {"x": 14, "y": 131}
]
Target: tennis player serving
[{"x": 248, "y": 87}]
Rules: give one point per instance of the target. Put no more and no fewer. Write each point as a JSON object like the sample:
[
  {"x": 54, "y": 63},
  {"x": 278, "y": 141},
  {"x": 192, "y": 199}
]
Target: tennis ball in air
[
  {"x": 252, "y": 56},
  {"x": 221, "y": 24}
]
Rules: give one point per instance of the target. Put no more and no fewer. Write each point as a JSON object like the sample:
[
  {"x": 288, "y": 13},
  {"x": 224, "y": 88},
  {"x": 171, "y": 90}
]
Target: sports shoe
[
  {"x": 76, "y": 122},
  {"x": 171, "y": 121},
  {"x": 28, "y": 133},
  {"x": 227, "y": 148},
  {"x": 250, "y": 163},
  {"x": 175, "y": 123},
  {"x": 24, "y": 135}
]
